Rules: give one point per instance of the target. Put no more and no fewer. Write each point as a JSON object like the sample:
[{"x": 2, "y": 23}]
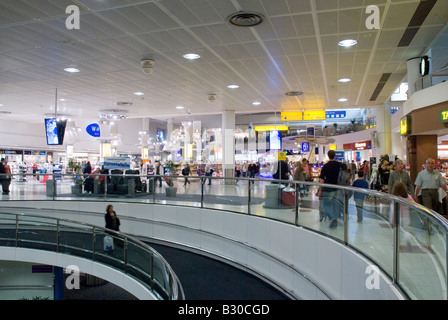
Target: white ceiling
[{"x": 295, "y": 48}]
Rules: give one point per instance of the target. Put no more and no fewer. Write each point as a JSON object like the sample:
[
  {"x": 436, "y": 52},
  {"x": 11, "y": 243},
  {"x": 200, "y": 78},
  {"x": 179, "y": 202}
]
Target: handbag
[{"x": 108, "y": 243}]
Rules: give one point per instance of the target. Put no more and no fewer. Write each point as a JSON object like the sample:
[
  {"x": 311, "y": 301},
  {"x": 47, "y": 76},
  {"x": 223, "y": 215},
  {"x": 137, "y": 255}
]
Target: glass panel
[
  {"x": 37, "y": 233},
  {"x": 177, "y": 190},
  {"x": 139, "y": 262},
  {"x": 76, "y": 239},
  {"x": 422, "y": 256},
  {"x": 113, "y": 258},
  {"x": 374, "y": 235},
  {"x": 161, "y": 274},
  {"x": 226, "y": 194},
  {"x": 7, "y": 230}
]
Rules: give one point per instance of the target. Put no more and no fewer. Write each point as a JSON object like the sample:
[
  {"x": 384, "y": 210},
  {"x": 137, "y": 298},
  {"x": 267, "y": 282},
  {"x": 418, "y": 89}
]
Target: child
[{"x": 359, "y": 196}]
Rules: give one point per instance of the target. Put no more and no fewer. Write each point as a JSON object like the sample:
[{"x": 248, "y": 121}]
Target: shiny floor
[{"x": 421, "y": 253}]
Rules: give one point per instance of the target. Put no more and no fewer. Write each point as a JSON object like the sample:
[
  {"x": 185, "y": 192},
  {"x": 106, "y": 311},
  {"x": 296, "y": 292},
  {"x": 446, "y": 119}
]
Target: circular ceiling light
[
  {"x": 139, "y": 93},
  {"x": 256, "y": 103},
  {"x": 294, "y": 93},
  {"x": 191, "y": 56},
  {"x": 71, "y": 69},
  {"x": 343, "y": 100},
  {"x": 347, "y": 43},
  {"x": 245, "y": 19},
  {"x": 233, "y": 86},
  {"x": 344, "y": 80},
  {"x": 179, "y": 107}
]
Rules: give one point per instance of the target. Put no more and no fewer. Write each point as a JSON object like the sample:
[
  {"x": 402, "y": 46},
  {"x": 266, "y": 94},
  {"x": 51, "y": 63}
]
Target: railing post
[
  {"x": 125, "y": 256},
  {"x": 105, "y": 187},
  {"x": 154, "y": 190},
  {"x": 346, "y": 199},
  {"x": 396, "y": 241},
  {"x": 93, "y": 243},
  {"x": 296, "y": 222},
  {"x": 58, "y": 235},
  {"x": 17, "y": 231},
  {"x": 248, "y": 196},
  {"x": 202, "y": 192}
]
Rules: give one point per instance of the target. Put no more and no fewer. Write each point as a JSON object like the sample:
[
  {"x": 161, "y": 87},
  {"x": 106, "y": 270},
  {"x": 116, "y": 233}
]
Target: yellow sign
[
  {"x": 270, "y": 128},
  {"x": 405, "y": 125},
  {"x": 333, "y": 147},
  {"x": 314, "y": 115},
  {"x": 282, "y": 155},
  {"x": 292, "y": 116}
]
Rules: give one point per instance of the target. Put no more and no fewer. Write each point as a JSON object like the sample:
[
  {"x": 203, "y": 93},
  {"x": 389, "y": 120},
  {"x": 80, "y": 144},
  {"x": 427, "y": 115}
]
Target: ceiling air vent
[
  {"x": 420, "y": 15},
  {"x": 294, "y": 93},
  {"x": 124, "y": 104},
  {"x": 246, "y": 19},
  {"x": 384, "y": 78}
]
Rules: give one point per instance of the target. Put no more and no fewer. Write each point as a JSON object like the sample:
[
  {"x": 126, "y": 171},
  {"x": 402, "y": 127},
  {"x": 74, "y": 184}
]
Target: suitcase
[{"x": 288, "y": 198}]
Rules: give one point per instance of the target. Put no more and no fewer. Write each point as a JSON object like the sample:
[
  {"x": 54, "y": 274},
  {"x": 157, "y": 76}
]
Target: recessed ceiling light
[
  {"x": 245, "y": 19},
  {"x": 191, "y": 56},
  {"x": 256, "y": 103},
  {"x": 345, "y": 80},
  {"x": 72, "y": 70},
  {"x": 343, "y": 100},
  {"x": 233, "y": 86},
  {"x": 139, "y": 93},
  {"x": 179, "y": 107},
  {"x": 347, "y": 43},
  {"x": 62, "y": 99}
]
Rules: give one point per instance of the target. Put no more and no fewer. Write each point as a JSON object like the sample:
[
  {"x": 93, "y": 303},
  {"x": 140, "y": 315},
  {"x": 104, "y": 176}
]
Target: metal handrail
[
  {"x": 430, "y": 76},
  {"x": 175, "y": 289},
  {"x": 395, "y": 203}
]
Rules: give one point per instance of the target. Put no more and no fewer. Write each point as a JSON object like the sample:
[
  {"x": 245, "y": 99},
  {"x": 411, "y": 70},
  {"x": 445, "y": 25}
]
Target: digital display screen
[
  {"x": 160, "y": 135},
  {"x": 55, "y": 131},
  {"x": 275, "y": 140}
]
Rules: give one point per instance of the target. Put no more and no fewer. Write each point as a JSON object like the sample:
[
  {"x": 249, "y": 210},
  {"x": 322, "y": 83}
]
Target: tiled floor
[{"x": 421, "y": 255}]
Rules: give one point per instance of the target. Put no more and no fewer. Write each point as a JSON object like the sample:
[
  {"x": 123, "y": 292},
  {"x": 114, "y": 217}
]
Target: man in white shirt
[{"x": 429, "y": 181}]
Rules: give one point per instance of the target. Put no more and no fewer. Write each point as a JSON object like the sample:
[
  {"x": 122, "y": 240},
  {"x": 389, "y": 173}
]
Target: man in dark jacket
[
  {"x": 329, "y": 175},
  {"x": 186, "y": 172}
]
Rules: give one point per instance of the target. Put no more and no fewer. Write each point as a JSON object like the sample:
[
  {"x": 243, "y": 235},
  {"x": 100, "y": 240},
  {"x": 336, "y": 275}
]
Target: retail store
[{"x": 358, "y": 151}]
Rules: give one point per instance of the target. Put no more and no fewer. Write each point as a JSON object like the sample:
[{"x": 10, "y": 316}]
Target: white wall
[
  {"x": 18, "y": 282},
  {"x": 294, "y": 258}
]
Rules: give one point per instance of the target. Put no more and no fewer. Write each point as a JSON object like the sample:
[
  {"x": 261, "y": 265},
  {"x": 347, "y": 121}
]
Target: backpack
[{"x": 184, "y": 171}]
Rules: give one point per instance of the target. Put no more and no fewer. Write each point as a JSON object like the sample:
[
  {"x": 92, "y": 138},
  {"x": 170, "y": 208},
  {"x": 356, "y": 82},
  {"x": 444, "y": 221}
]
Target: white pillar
[
  {"x": 228, "y": 143},
  {"x": 383, "y": 126},
  {"x": 414, "y": 74}
]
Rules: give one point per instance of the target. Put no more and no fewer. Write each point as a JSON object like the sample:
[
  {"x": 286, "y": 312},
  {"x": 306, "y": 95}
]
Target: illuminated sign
[
  {"x": 270, "y": 128},
  {"x": 94, "y": 130},
  {"x": 333, "y": 147},
  {"x": 424, "y": 66},
  {"x": 405, "y": 125},
  {"x": 292, "y": 116},
  {"x": 305, "y": 147},
  {"x": 443, "y": 116},
  {"x": 314, "y": 115},
  {"x": 363, "y": 145},
  {"x": 336, "y": 114}
]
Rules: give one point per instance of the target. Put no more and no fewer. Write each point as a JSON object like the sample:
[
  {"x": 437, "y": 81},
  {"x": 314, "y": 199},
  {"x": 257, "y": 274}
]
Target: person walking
[
  {"x": 428, "y": 182},
  {"x": 329, "y": 175},
  {"x": 5, "y": 176},
  {"x": 112, "y": 223},
  {"x": 299, "y": 175},
  {"x": 159, "y": 172},
  {"x": 360, "y": 196},
  {"x": 400, "y": 175},
  {"x": 186, "y": 171}
]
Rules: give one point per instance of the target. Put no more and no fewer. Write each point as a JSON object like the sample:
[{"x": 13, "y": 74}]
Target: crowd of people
[{"x": 430, "y": 187}]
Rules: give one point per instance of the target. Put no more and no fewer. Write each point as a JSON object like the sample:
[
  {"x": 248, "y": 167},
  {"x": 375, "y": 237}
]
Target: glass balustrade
[
  {"x": 130, "y": 255},
  {"x": 405, "y": 240}
]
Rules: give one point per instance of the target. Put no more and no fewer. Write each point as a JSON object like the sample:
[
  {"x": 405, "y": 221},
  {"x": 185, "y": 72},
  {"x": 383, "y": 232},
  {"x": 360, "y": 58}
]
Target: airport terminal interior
[{"x": 224, "y": 150}]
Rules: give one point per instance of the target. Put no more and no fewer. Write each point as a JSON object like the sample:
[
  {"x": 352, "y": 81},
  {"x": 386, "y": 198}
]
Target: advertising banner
[{"x": 111, "y": 163}]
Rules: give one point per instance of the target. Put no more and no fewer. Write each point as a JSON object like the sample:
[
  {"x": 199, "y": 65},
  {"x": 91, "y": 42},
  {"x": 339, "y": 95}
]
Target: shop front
[{"x": 358, "y": 151}]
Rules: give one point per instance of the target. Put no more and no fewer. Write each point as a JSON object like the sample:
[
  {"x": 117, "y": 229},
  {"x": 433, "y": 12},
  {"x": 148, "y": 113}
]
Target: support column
[
  {"x": 420, "y": 148},
  {"x": 413, "y": 66},
  {"x": 383, "y": 125},
  {"x": 228, "y": 144}
]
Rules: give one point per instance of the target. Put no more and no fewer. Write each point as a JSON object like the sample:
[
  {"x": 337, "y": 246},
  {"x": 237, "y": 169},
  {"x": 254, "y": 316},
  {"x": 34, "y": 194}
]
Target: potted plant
[
  {"x": 76, "y": 169},
  {"x": 171, "y": 169}
]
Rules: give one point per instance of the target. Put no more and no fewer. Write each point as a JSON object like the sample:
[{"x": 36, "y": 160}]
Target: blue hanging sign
[
  {"x": 305, "y": 147},
  {"x": 94, "y": 130}
]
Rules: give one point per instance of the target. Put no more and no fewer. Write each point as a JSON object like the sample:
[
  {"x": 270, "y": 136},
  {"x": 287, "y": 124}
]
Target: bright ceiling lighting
[
  {"x": 72, "y": 70},
  {"x": 139, "y": 93},
  {"x": 256, "y": 103},
  {"x": 343, "y": 100},
  {"x": 191, "y": 56},
  {"x": 347, "y": 43},
  {"x": 179, "y": 107},
  {"x": 233, "y": 86},
  {"x": 343, "y": 80}
]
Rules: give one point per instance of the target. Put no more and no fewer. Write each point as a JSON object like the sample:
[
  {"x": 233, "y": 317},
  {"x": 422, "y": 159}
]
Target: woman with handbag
[{"x": 112, "y": 223}]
